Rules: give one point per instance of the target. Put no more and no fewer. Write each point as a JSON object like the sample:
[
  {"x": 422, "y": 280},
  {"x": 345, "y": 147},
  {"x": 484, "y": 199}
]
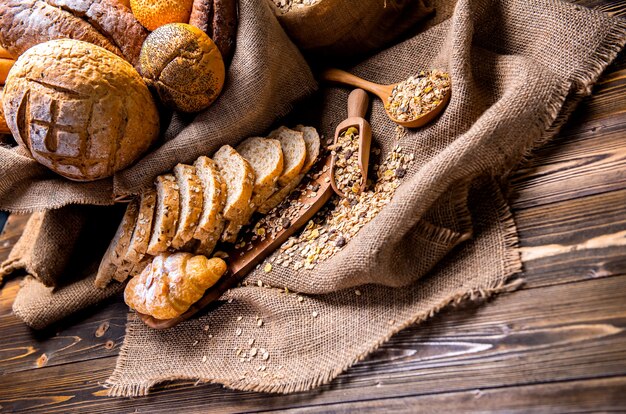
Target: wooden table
[{"x": 556, "y": 344}]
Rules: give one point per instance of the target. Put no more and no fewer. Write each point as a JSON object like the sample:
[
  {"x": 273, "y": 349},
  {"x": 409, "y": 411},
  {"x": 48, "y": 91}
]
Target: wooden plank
[
  {"x": 563, "y": 332},
  {"x": 597, "y": 395},
  {"x": 588, "y": 161},
  {"x": 11, "y": 233},
  {"x": 93, "y": 333}
]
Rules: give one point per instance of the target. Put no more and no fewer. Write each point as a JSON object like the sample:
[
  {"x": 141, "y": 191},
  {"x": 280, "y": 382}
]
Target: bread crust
[
  {"x": 61, "y": 93},
  {"x": 225, "y": 21},
  {"x": 211, "y": 224}
]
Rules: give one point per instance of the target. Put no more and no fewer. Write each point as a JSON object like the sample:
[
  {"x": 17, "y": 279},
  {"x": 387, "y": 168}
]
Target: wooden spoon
[
  {"x": 383, "y": 92},
  {"x": 357, "y": 107}
]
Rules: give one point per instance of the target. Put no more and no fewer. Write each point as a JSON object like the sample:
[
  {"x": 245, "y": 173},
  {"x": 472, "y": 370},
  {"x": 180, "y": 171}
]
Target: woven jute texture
[
  {"x": 59, "y": 251},
  {"x": 518, "y": 68},
  {"x": 346, "y": 28},
  {"x": 267, "y": 75}
]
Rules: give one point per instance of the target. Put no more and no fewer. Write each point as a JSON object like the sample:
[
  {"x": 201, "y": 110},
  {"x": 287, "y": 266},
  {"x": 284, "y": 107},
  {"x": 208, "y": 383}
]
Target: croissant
[{"x": 171, "y": 283}]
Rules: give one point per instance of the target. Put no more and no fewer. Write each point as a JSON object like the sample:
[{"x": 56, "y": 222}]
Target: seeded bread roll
[
  {"x": 166, "y": 215},
  {"x": 239, "y": 177},
  {"x": 294, "y": 152},
  {"x": 211, "y": 223},
  {"x": 114, "y": 254},
  {"x": 140, "y": 238},
  {"x": 191, "y": 201},
  {"x": 312, "y": 142}
]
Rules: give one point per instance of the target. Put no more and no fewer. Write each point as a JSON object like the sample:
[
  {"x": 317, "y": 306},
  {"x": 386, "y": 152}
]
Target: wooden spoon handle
[
  {"x": 357, "y": 103},
  {"x": 341, "y": 76}
]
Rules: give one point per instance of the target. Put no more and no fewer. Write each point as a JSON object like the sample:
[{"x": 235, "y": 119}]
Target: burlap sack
[
  {"x": 266, "y": 77},
  {"x": 517, "y": 68},
  {"x": 345, "y": 28},
  {"x": 60, "y": 251}
]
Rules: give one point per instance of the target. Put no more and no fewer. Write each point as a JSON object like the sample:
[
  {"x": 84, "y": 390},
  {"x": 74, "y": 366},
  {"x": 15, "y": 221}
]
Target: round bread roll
[
  {"x": 183, "y": 65},
  {"x": 79, "y": 109},
  {"x": 155, "y": 13}
]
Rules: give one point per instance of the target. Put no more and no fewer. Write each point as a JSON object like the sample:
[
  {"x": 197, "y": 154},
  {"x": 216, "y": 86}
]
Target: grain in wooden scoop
[
  {"x": 183, "y": 65},
  {"x": 153, "y": 14}
]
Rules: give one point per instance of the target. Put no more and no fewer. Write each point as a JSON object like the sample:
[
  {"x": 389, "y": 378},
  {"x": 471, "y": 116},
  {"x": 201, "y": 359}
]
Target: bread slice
[
  {"x": 166, "y": 214},
  {"x": 191, "y": 201},
  {"x": 114, "y": 254},
  {"x": 239, "y": 177},
  {"x": 211, "y": 223},
  {"x": 294, "y": 152},
  {"x": 312, "y": 142},
  {"x": 141, "y": 234},
  {"x": 266, "y": 158}
]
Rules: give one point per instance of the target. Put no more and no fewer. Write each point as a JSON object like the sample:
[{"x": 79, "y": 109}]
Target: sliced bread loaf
[
  {"x": 239, "y": 177},
  {"x": 294, "y": 152},
  {"x": 191, "y": 203},
  {"x": 141, "y": 234},
  {"x": 166, "y": 214},
  {"x": 312, "y": 142},
  {"x": 211, "y": 223},
  {"x": 114, "y": 254}
]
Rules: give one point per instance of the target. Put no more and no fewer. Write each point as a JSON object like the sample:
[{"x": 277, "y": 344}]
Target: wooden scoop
[
  {"x": 383, "y": 92},
  {"x": 243, "y": 259},
  {"x": 357, "y": 107}
]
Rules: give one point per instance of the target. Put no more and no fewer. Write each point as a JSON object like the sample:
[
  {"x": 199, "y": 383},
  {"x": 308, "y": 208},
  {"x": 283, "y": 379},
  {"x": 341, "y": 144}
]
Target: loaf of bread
[
  {"x": 184, "y": 66},
  {"x": 105, "y": 23},
  {"x": 196, "y": 200},
  {"x": 171, "y": 283},
  {"x": 79, "y": 109}
]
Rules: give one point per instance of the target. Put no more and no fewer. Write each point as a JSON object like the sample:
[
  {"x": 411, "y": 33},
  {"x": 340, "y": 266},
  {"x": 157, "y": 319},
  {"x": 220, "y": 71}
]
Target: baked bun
[
  {"x": 79, "y": 109},
  {"x": 183, "y": 65},
  {"x": 169, "y": 285}
]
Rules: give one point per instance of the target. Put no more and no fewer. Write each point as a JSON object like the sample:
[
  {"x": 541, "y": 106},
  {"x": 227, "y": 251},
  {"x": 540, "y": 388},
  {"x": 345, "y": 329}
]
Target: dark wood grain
[
  {"x": 545, "y": 337},
  {"x": 556, "y": 345}
]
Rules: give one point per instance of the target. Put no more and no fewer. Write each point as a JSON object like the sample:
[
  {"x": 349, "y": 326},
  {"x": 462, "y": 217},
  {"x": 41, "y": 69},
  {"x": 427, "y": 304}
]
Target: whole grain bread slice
[
  {"x": 211, "y": 223},
  {"x": 166, "y": 214},
  {"x": 191, "y": 204},
  {"x": 114, "y": 254},
  {"x": 141, "y": 234},
  {"x": 312, "y": 142},
  {"x": 239, "y": 177},
  {"x": 294, "y": 152}
]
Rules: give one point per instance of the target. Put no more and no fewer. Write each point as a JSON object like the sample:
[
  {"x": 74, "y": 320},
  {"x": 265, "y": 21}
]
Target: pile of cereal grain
[
  {"x": 337, "y": 223},
  {"x": 348, "y": 176},
  {"x": 418, "y": 95}
]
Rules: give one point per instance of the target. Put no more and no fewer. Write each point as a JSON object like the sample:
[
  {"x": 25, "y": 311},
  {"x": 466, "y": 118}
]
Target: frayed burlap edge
[{"x": 511, "y": 266}]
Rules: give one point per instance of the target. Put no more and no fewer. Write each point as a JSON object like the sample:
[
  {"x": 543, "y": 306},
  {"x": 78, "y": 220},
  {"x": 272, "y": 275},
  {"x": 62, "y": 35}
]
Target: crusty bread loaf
[
  {"x": 166, "y": 214},
  {"x": 116, "y": 251},
  {"x": 312, "y": 142},
  {"x": 211, "y": 223},
  {"x": 191, "y": 204},
  {"x": 113, "y": 20},
  {"x": 294, "y": 152},
  {"x": 79, "y": 109},
  {"x": 239, "y": 177},
  {"x": 26, "y": 23}
]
